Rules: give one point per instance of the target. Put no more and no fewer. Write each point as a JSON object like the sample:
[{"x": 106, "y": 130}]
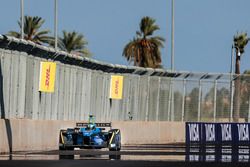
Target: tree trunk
[{"x": 236, "y": 105}]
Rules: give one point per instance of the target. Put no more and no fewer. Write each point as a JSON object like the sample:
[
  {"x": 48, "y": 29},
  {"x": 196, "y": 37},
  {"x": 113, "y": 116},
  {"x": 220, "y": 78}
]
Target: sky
[{"x": 204, "y": 29}]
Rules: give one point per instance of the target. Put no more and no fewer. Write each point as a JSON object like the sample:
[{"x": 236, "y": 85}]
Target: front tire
[{"x": 115, "y": 138}]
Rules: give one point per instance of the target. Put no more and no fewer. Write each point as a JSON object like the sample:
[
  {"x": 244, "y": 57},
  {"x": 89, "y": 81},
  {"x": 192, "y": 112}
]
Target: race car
[{"x": 90, "y": 135}]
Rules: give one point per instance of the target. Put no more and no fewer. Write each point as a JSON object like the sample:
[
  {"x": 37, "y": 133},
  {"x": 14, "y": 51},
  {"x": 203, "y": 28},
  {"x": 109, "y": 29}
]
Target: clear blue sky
[{"x": 204, "y": 29}]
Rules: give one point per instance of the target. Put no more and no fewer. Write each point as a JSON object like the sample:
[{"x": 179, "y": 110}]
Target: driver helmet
[{"x": 91, "y": 126}]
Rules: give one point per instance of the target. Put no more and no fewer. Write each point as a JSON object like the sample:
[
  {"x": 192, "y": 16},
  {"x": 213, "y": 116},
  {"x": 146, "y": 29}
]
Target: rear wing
[{"x": 80, "y": 124}]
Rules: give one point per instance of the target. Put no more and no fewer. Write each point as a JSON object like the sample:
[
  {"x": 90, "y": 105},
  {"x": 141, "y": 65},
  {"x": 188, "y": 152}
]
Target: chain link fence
[{"x": 82, "y": 89}]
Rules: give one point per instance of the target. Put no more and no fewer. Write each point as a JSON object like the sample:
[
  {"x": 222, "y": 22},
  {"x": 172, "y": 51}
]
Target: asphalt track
[
  {"x": 131, "y": 156},
  {"x": 106, "y": 163}
]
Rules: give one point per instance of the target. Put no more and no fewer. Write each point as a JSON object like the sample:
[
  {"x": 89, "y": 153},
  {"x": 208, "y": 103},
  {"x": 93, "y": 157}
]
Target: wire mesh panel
[
  {"x": 245, "y": 98},
  {"x": 164, "y": 100},
  {"x": 105, "y": 97},
  {"x": 21, "y": 86},
  {"x": 115, "y": 109},
  {"x": 93, "y": 93},
  {"x": 143, "y": 97},
  {"x": 86, "y": 94},
  {"x": 73, "y": 94},
  {"x": 124, "y": 102},
  {"x": 14, "y": 85},
  {"x": 66, "y": 92},
  {"x": 98, "y": 99},
  {"x": 223, "y": 102},
  {"x": 177, "y": 99},
  {"x": 133, "y": 97},
  {"x": 97, "y": 96},
  {"x": 30, "y": 112},
  {"x": 39, "y": 98},
  {"x": 69, "y": 94},
  {"x": 153, "y": 98},
  {"x": 115, "y": 105},
  {"x": 47, "y": 106},
  {"x": 61, "y": 93},
  {"x": 78, "y": 109},
  {"x": 6, "y": 73},
  {"x": 207, "y": 101},
  {"x": 55, "y": 95},
  {"x": 191, "y": 101},
  {"x": 78, "y": 89}
]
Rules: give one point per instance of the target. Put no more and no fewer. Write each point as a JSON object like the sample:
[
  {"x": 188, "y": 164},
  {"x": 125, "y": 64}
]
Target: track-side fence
[{"x": 82, "y": 87}]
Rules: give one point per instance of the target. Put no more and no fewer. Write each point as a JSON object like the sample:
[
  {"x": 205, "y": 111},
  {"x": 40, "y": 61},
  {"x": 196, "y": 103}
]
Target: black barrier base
[
  {"x": 219, "y": 142},
  {"x": 218, "y": 154}
]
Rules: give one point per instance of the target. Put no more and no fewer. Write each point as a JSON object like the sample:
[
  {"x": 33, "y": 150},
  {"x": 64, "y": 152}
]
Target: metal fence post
[
  {"x": 231, "y": 99},
  {"x": 128, "y": 96},
  {"x": 169, "y": 98},
  {"x": 158, "y": 99},
  {"x": 249, "y": 109},
  {"x": 215, "y": 98},
  {"x": 137, "y": 114},
  {"x": 231, "y": 84},
  {"x": 146, "y": 115},
  {"x": 172, "y": 103},
  {"x": 183, "y": 100},
  {"x": 103, "y": 98},
  {"x": 199, "y": 102}
]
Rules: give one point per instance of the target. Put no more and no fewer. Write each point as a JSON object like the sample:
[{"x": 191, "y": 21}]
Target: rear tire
[
  {"x": 65, "y": 148},
  {"x": 62, "y": 148},
  {"x": 114, "y": 157},
  {"x": 65, "y": 156}
]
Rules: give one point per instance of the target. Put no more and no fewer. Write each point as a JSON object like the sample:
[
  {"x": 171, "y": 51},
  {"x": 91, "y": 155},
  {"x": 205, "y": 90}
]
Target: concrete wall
[
  {"x": 23, "y": 135},
  {"x": 151, "y": 132},
  {"x": 27, "y": 135}
]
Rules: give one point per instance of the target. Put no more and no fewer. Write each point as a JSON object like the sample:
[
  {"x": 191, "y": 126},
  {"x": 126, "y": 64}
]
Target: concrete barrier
[
  {"x": 29, "y": 135},
  {"x": 151, "y": 132}
]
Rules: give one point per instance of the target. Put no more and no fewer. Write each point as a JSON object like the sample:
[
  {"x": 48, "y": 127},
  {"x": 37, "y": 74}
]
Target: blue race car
[{"x": 90, "y": 135}]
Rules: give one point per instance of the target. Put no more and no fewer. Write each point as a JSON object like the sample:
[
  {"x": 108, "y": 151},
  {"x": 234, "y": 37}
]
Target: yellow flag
[
  {"x": 116, "y": 87},
  {"x": 47, "y": 76}
]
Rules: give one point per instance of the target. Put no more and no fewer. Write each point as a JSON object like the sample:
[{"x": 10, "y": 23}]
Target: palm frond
[
  {"x": 148, "y": 26},
  {"x": 75, "y": 42},
  {"x": 144, "y": 51},
  {"x": 32, "y": 32},
  {"x": 14, "y": 34},
  {"x": 240, "y": 41}
]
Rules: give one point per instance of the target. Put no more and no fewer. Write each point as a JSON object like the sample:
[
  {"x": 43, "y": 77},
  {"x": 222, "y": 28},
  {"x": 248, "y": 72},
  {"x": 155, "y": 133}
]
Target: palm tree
[
  {"x": 74, "y": 42},
  {"x": 144, "y": 50},
  {"x": 240, "y": 42},
  {"x": 32, "y": 31}
]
